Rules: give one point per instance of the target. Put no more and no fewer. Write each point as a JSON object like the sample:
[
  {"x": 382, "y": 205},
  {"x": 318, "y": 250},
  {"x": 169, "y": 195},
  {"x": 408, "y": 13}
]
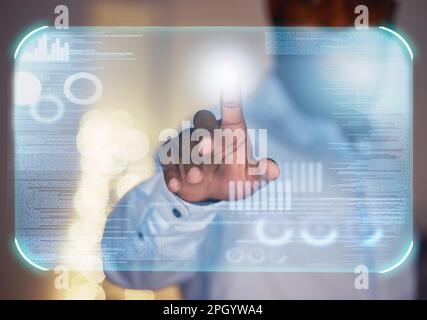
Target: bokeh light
[{"x": 114, "y": 158}]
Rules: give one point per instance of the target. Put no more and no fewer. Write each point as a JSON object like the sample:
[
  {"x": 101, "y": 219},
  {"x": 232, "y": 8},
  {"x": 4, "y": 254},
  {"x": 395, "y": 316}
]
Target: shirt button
[{"x": 176, "y": 213}]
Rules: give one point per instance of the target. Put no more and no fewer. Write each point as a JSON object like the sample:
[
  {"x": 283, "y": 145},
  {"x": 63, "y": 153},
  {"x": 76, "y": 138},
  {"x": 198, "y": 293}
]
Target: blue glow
[
  {"x": 336, "y": 175},
  {"x": 25, "y": 39},
  {"x": 401, "y": 260},
  {"x": 35, "y": 265},
  {"x": 411, "y": 53}
]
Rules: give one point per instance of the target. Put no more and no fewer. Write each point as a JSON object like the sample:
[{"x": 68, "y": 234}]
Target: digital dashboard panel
[{"x": 336, "y": 104}]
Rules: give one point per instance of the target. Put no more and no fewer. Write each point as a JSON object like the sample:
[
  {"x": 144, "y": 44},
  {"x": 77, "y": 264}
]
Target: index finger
[{"x": 231, "y": 98}]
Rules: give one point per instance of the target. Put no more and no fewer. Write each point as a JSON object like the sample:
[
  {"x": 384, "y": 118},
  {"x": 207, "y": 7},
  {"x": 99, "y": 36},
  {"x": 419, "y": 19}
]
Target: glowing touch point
[
  {"x": 230, "y": 91},
  {"x": 229, "y": 74},
  {"x": 35, "y": 265}
]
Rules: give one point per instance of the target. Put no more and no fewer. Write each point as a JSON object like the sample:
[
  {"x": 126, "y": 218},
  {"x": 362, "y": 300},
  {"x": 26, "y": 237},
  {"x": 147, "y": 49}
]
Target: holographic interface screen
[{"x": 91, "y": 102}]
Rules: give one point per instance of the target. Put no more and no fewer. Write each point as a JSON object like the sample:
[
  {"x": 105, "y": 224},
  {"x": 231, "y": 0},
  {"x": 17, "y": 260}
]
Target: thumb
[{"x": 265, "y": 169}]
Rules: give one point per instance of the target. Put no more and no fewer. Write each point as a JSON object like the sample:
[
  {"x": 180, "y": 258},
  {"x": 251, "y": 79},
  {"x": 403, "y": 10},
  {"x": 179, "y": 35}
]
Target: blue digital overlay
[{"x": 90, "y": 103}]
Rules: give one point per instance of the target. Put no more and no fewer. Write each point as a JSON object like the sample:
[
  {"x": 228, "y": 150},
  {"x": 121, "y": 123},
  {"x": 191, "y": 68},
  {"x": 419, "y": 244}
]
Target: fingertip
[
  {"x": 194, "y": 175},
  {"x": 273, "y": 170},
  {"x": 174, "y": 185}
]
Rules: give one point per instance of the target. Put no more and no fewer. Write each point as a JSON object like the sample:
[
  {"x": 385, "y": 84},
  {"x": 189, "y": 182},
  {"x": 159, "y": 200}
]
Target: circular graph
[
  {"x": 83, "y": 75},
  {"x": 59, "y": 111}
]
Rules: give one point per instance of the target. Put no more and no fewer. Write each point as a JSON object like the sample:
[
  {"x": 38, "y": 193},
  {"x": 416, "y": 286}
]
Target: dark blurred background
[{"x": 17, "y": 17}]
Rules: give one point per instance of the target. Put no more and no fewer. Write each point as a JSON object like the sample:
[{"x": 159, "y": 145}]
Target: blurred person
[{"x": 185, "y": 191}]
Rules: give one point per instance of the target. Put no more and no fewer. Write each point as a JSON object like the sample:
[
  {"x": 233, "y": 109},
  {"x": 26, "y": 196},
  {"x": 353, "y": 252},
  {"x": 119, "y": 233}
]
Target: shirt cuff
[{"x": 167, "y": 212}]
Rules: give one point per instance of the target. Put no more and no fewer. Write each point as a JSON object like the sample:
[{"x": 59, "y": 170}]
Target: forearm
[{"x": 152, "y": 235}]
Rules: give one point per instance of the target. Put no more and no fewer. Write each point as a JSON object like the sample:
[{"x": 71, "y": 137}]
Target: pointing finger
[
  {"x": 205, "y": 119},
  {"x": 231, "y": 98},
  {"x": 173, "y": 178}
]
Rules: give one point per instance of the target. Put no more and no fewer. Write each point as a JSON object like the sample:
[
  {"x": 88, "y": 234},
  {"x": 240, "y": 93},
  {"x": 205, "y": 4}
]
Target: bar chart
[
  {"x": 298, "y": 177},
  {"x": 48, "y": 51}
]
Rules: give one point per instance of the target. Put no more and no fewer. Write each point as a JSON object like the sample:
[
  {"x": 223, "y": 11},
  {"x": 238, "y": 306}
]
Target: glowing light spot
[
  {"x": 135, "y": 145},
  {"x": 230, "y": 76},
  {"x": 103, "y": 163},
  {"x": 126, "y": 183},
  {"x": 94, "y": 137},
  {"x": 88, "y": 204},
  {"x": 90, "y": 267},
  {"x": 87, "y": 291},
  {"x": 85, "y": 236},
  {"x": 206, "y": 69},
  {"x": 78, "y": 280},
  {"x": 121, "y": 118}
]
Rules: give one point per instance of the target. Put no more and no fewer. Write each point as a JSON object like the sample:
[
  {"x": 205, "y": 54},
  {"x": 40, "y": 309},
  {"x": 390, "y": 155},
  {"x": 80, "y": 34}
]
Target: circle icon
[
  {"x": 27, "y": 88},
  {"x": 256, "y": 255},
  {"x": 51, "y": 118},
  {"x": 234, "y": 255},
  {"x": 83, "y": 75},
  {"x": 272, "y": 240},
  {"x": 318, "y": 241}
]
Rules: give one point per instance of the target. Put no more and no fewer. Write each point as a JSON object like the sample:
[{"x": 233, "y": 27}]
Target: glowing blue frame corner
[
  {"x": 35, "y": 265},
  {"x": 15, "y": 55},
  {"x": 402, "y": 39},
  {"x": 388, "y": 30},
  {"x": 411, "y": 53},
  {"x": 401, "y": 261}
]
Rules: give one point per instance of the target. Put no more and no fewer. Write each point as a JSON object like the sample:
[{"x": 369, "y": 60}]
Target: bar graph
[
  {"x": 306, "y": 177},
  {"x": 275, "y": 196},
  {"x": 297, "y": 178},
  {"x": 48, "y": 51}
]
